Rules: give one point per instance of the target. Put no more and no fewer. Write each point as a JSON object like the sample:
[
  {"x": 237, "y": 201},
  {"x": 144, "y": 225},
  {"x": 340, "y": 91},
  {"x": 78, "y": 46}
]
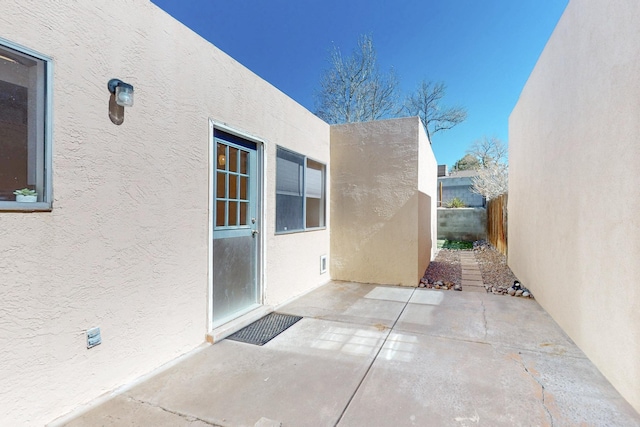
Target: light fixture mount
[{"x": 123, "y": 92}]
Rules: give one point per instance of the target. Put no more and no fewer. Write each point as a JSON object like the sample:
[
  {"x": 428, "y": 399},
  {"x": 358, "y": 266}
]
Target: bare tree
[
  {"x": 425, "y": 102},
  {"x": 488, "y": 150},
  {"x": 354, "y": 90},
  {"x": 493, "y": 176},
  {"x": 491, "y": 181}
]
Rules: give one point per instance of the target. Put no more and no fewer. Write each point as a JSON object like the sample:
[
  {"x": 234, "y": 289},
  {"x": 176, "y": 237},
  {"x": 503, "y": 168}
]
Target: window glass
[
  {"x": 233, "y": 214},
  {"x": 232, "y": 187},
  {"x": 222, "y": 156},
  {"x": 221, "y": 185},
  {"x": 289, "y": 198},
  {"x": 22, "y": 125},
  {"x": 300, "y": 192},
  {"x": 244, "y": 213},
  {"x": 220, "y": 213},
  {"x": 315, "y": 195},
  {"x": 233, "y": 159}
]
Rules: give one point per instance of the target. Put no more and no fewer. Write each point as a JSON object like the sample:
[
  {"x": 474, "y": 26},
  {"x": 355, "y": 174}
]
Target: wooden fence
[{"x": 497, "y": 223}]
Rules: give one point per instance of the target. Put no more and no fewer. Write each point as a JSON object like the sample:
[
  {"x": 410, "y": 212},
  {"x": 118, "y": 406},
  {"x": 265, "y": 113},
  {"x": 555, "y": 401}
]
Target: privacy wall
[
  {"x": 383, "y": 206},
  {"x": 126, "y": 244},
  {"x": 574, "y": 229}
]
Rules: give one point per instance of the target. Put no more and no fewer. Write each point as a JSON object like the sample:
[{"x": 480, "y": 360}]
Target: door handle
[{"x": 254, "y": 232}]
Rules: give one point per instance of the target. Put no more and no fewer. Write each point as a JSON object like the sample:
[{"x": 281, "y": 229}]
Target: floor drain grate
[{"x": 264, "y": 330}]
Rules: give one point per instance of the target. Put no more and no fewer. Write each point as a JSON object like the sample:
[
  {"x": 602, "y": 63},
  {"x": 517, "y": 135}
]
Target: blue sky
[{"x": 484, "y": 50}]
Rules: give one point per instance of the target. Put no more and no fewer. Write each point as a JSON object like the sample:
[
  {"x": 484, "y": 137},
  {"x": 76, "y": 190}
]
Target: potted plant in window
[{"x": 26, "y": 195}]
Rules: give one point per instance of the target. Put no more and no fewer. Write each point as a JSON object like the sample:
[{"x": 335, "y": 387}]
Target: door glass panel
[
  {"x": 233, "y": 159},
  {"x": 233, "y": 213},
  {"x": 220, "y": 213},
  {"x": 233, "y": 186},
  {"x": 221, "y": 185},
  {"x": 244, "y": 158},
  {"x": 244, "y": 213},
  {"x": 221, "y": 158},
  {"x": 244, "y": 181}
]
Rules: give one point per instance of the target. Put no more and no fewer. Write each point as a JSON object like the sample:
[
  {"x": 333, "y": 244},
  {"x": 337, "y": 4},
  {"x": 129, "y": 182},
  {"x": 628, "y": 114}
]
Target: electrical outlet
[
  {"x": 93, "y": 337},
  {"x": 323, "y": 264}
]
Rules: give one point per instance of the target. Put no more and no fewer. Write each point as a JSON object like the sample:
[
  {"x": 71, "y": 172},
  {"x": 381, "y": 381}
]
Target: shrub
[{"x": 455, "y": 203}]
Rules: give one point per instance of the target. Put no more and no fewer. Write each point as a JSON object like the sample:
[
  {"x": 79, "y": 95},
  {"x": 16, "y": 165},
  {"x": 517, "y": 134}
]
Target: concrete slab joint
[{"x": 368, "y": 355}]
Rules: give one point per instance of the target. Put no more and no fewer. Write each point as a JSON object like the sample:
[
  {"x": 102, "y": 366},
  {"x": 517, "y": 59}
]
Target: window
[
  {"x": 24, "y": 127},
  {"x": 232, "y": 185},
  {"x": 300, "y": 192}
]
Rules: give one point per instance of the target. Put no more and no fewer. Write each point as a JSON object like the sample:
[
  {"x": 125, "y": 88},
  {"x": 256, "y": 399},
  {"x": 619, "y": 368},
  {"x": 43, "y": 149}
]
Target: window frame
[
  {"x": 47, "y": 141},
  {"x": 303, "y": 185}
]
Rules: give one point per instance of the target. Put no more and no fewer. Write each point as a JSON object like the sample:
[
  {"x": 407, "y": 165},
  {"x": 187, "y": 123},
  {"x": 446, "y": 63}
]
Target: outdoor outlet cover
[{"x": 93, "y": 337}]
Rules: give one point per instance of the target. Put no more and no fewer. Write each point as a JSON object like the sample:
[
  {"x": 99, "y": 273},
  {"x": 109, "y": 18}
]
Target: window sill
[
  {"x": 279, "y": 233},
  {"x": 25, "y": 207}
]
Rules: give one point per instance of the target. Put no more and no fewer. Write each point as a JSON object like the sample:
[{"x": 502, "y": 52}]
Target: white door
[{"x": 236, "y": 223}]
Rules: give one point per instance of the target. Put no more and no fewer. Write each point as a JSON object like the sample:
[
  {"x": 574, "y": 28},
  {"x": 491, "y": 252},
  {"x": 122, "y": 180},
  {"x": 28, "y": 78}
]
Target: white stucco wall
[
  {"x": 574, "y": 229},
  {"x": 383, "y": 201},
  {"x": 125, "y": 247}
]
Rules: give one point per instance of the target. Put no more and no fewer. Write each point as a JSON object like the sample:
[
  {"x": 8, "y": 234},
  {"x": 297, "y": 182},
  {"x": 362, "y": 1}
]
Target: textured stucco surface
[
  {"x": 467, "y": 224},
  {"x": 126, "y": 245},
  {"x": 574, "y": 229},
  {"x": 383, "y": 201}
]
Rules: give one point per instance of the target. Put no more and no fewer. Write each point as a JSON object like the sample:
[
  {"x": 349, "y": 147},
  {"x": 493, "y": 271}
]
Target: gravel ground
[
  {"x": 445, "y": 268},
  {"x": 493, "y": 266}
]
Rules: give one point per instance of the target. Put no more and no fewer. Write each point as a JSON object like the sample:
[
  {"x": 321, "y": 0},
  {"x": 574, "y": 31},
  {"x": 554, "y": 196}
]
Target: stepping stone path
[{"x": 471, "y": 276}]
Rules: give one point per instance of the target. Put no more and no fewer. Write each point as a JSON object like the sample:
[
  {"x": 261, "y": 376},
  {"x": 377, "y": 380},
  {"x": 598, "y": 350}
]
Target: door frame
[{"x": 260, "y": 190}]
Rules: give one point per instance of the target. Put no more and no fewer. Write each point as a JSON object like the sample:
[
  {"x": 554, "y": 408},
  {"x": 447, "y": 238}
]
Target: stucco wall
[
  {"x": 574, "y": 150},
  {"x": 125, "y": 247},
  {"x": 383, "y": 201}
]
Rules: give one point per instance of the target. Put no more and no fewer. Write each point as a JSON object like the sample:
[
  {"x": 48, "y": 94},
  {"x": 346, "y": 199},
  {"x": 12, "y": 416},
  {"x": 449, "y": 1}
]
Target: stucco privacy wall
[
  {"x": 383, "y": 206},
  {"x": 574, "y": 150},
  {"x": 126, "y": 244}
]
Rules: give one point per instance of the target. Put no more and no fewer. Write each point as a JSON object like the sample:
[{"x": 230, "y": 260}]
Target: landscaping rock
[
  {"x": 457, "y": 288},
  {"x": 526, "y": 294},
  {"x": 519, "y": 292}
]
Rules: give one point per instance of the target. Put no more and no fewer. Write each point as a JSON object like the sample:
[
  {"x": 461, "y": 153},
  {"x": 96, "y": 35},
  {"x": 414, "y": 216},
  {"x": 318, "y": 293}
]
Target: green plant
[
  {"x": 454, "y": 244},
  {"x": 455, "y": 203},
  {"x": 25, "y": 192}
]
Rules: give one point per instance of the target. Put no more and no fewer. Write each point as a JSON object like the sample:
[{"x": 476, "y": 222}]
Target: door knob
[{"x": 254, "y": 232}]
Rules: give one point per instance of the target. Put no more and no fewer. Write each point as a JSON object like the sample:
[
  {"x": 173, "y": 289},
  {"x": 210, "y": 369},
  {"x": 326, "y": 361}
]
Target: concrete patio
[{"x": 370, "y": 355}]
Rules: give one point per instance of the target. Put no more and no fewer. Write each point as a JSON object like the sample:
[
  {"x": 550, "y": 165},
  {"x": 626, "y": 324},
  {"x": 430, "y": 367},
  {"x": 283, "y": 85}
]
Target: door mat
[{"x": 264, "y": 330}]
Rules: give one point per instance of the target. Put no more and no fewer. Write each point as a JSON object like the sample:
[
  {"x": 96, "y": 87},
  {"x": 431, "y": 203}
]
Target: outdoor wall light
[{"x": 123, "y": 92}]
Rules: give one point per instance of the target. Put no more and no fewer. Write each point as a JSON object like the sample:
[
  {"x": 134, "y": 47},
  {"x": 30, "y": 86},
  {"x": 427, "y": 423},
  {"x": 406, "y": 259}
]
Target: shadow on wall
[{"x": 426, "y": 235}]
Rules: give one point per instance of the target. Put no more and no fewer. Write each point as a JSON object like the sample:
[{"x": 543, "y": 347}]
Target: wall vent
[
  {"x": 94, "y": 337},
  {"x": 323, "y": 264}
]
